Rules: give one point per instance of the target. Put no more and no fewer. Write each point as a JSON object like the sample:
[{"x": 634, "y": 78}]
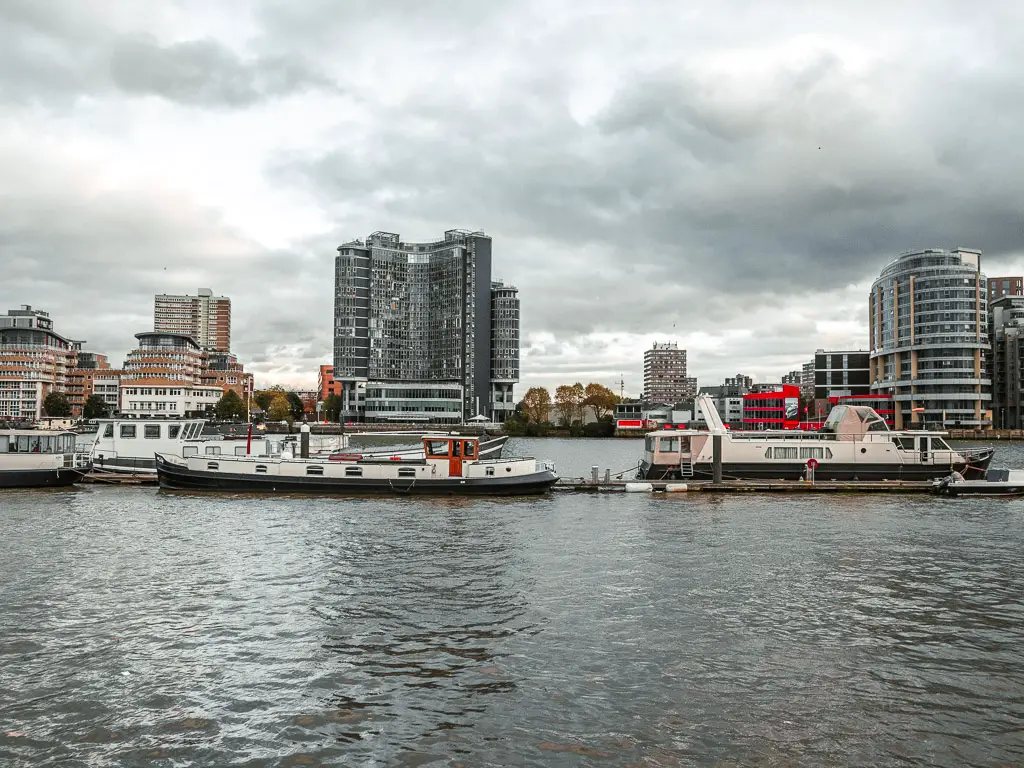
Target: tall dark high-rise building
[{"x": 421, "y": 333}]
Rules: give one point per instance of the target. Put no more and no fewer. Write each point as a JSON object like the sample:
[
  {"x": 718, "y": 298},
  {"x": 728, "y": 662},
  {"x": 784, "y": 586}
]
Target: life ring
[{"x": 345, "y": 457}]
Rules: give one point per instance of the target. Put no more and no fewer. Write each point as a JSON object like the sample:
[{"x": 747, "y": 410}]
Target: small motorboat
[{"x": 997, "y": 482}]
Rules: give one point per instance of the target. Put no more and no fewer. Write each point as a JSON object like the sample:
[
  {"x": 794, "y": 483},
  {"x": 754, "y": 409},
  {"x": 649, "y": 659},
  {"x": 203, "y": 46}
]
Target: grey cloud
[
  {"x": 53, "y": 53},
  {"x": 205, "y": 73}
]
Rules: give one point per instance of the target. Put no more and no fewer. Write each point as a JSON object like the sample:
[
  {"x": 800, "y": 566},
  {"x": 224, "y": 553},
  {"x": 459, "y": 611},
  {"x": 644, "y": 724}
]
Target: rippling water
[{"x": 145, "y": 628}]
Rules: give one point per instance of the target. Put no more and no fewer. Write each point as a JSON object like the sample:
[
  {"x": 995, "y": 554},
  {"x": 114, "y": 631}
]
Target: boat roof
[{"x": 34, "y": 432}]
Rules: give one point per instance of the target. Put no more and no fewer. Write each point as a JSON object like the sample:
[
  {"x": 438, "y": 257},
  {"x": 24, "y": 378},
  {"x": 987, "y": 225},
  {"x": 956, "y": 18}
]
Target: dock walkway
[{"x": 567, "y": 485}]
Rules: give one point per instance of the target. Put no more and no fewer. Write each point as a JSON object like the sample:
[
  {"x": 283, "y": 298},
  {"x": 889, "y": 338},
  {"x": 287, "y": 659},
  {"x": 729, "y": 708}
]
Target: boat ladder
[{"x": 686, "y": 468}]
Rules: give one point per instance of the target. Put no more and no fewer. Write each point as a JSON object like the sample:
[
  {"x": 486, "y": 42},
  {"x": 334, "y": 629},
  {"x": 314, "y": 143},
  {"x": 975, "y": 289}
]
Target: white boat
[
  {"x": 449, "y": 465},
  {"x": 854, "y": 444},
  {"x": 37, "y": 458},
  {"x": 997, "y": 482},
  {"x": 129, "y": 446}
]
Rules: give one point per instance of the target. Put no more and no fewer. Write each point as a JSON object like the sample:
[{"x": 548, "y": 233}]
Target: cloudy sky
[{"x": 727, "y": 174}]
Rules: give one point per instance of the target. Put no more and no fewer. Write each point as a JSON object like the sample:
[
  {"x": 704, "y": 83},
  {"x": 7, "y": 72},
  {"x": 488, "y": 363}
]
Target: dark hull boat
[
  {"x": 998, "y": 482},
  {"x": 450, "y": 466}
]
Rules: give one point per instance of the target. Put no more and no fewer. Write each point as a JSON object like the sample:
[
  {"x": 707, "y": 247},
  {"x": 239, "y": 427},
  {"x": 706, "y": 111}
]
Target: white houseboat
[
  {"x": 129, "y": 446},
  {"x": 854, "y": 444},
  {"x": 449, "y": 465},
  {"x": 40, "y": 458}
]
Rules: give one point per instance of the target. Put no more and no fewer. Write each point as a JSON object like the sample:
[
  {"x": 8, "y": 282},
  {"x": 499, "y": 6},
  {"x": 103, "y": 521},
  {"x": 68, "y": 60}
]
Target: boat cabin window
[
  {"x": 261, "y": 469},
  {"x": 23, "y": 444},
  {"x": 786, "y": 452},
  {"x": 127, "y": 431},
  {"x": 457, "y": 448},
  {"x": 828, "y": 453},
  {"x": 489, "y": 472},
  {"x": 173, "y": 430},
  {"x": 353, "y": 471},
  {"x": 108, "y": 431},
  {"x": 151, "y": 431},
  {"x": 4, "y": 442},
  {"x": 239, "y": 450},
  {"x": 470, "y": 449},
  {"x": 314, "y": 470},
  {"x": 213, "y": 450},
  {"x": 812, "y": 452},
  {"x": 406, "y": 472},
  {"x": 668, "y": 444},
  {"x": 938, "y": 444},
  {"x": 212, "y": 465},
  {"x": 437, "y": 448},
  {"x": 904, "y": 443},
  {"x": 189, "y": 450},
  {"x": 651, "y": 442}
]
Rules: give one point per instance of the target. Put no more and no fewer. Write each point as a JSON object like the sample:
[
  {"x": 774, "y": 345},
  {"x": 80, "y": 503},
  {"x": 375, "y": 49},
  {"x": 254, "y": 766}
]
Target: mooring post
[
  {"x": 593, "y": 474},
  {"x": 607, "y": 476},
  {"x": 716, "y": 451},
  {"x": 304, "y": 441}
]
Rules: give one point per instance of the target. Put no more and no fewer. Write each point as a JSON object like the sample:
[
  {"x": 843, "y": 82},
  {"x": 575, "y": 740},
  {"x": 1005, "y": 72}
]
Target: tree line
[{"x": 538, "y": 412}]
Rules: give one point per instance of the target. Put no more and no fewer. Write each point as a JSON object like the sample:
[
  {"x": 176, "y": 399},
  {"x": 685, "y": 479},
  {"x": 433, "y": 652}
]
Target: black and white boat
[
  {"x": 449, "y": 465},
  {"x": 997, "y": 482},
  {"x": 854, "y": 444},
  {"x": 128, "y": 446},
  {"x": 40, "y": 458}
]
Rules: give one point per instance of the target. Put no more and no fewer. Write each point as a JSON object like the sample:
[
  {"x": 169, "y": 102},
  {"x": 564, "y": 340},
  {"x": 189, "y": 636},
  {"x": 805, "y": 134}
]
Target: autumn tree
[
  {"x": 230, "y": 406},
  {"x": 601, "y": 399},
  {"x": 264, "y": 398},
  {"x": 569, "y": 402},
  {"x": 280, "y": 409},
  {"x": 536, "y": 404}
]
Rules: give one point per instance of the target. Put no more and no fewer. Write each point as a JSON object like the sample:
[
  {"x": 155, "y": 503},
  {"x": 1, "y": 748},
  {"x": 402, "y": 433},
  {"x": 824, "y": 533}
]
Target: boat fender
[
  {"x": 676, "y": 488},
  {"x": 639, "y": 487}
]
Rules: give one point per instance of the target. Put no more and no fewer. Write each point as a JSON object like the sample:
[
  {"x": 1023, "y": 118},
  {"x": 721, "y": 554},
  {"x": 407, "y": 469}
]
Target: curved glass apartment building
[{"x": 929, "y": 339}]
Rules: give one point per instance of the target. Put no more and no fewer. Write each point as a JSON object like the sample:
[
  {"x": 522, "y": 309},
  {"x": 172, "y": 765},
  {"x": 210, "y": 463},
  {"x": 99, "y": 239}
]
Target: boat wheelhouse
[
  {"x": 447, "y": 465},
  {"x": 853, "y": 444},
  {"x": 39, "y": 458}
]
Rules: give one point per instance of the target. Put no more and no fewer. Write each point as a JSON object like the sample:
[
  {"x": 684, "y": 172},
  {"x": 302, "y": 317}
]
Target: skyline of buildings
[{"x": 943, "y": 342}]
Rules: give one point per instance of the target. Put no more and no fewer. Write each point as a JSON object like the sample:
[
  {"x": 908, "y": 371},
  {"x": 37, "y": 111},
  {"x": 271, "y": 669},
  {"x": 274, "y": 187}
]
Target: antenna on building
[{"x": 622, "y": 388}]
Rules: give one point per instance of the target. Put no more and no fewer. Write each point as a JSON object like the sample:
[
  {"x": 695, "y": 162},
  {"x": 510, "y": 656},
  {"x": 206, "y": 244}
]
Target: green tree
[
  {"x": 296, "y": 405},
  {"x": 57, "y": 406},
  {"x": 332, "y": 407},
  {"x": 230, "y": 406},
  {"x": 536, "y": 404},
  {"x": 279, "y": 409},
  {"x": 601, "y": 399},
  {"x": 95, "y": 408}
]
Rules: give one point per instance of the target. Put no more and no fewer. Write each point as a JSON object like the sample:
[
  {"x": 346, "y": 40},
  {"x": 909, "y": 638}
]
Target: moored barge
[
  {"x": 854, "y": 444},
  {"x": 450, "y": 465}
]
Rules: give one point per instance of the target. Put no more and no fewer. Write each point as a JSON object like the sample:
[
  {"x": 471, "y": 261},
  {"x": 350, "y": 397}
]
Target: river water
[{"x": 144, "y": 628}]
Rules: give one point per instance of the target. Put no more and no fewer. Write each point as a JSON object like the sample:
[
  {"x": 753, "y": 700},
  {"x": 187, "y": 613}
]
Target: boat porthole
[
  {"x": 508, "y": 469},
  {"x": 863, "y": 450}
]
